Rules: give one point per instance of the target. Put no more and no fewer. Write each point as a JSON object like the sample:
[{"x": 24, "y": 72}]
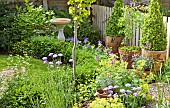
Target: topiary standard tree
[{"x": 154, "y": 37}]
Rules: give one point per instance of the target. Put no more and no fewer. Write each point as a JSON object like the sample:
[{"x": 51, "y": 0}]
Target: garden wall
[
  {"x": 165, "y": 3},
  {"x": 61, "y": 4}
]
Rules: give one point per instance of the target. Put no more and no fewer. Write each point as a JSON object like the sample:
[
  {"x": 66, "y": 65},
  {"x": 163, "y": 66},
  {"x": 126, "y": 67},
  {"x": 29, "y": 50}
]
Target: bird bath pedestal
[{"x": 60, "y": 23}]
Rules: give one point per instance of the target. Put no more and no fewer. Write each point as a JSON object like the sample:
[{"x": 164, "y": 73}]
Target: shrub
[
  {"x": 114, "y": 25},
  {"x": 30, "y": 21},
  {"x": 6, "y": 20},
  {"x": 21, "y": 48},
  {"x": 153, "y": 31},
  {"x": 43, "y": 45}
]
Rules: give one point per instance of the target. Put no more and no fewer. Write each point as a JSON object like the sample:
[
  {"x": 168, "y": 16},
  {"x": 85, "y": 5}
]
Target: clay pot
[
  {"x": 114, "y": 42},
  {"x": 158, "y": 56},
  {"x": 127, "y": 56}
]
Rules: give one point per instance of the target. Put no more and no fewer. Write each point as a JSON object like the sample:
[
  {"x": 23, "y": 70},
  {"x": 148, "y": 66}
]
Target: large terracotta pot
[
  {"x": 114, "y": 42},
  {"x": 158, "y": 56},
  {"x": 127, "y": 56}
]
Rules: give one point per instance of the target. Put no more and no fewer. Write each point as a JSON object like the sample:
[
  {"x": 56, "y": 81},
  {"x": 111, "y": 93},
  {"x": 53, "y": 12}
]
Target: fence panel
[{"x": 101, "y": 15}]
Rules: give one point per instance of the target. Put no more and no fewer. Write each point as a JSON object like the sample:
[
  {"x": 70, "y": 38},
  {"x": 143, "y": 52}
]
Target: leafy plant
[
  {"x": 30, "y": 21},
  {"x": 131, "y": 48},
  {"x": 133, "y": 19},
  {"x": 21, "y": 48},
  {"x": 115, "y": 26},
  {"x": 108, "y": 103},
  {"x": 153, "y": 29},
  {"x": 143, "y": 63},
  {"x": 42, "y": 45}
]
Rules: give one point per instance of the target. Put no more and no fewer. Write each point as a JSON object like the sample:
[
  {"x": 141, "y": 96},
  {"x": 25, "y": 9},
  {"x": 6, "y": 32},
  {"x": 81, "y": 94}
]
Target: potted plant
[
  {"x": 132, "y": 19},
  {"x": 153, "y": 41},
  {"x": 115, "y": 29},
  {"x": 126, "y": 53},
  {"x": 143, "y": 64}
]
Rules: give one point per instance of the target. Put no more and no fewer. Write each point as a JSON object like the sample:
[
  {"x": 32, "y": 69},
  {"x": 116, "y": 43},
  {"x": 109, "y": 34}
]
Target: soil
[{"x": 3, "y": 52}]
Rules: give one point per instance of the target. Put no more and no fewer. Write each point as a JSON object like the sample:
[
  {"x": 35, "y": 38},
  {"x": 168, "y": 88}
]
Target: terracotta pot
[
  {"x": 158, "y": 56},
  {"x": 114, "y": 42},
  {"x": 101, "y": 94},
  {"x": 127, "y": 56}
]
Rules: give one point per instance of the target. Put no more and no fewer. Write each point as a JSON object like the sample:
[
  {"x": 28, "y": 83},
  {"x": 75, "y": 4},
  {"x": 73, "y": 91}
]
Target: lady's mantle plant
[
  {"x": 114, "y": 25},
  {"x": 153, "y": 30}
]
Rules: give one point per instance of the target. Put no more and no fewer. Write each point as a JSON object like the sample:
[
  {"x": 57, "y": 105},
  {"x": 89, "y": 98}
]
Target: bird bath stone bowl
[{"x": 60, "y": 24}]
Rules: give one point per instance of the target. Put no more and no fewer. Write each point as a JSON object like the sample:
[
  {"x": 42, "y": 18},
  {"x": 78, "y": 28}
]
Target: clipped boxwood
[
  {"x": 153, "y": 31},
  {"x": 114, "y": 25}
]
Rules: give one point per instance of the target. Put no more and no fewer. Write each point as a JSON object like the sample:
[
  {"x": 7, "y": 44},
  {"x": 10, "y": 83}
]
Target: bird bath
[{"x": 60, "y": 23}]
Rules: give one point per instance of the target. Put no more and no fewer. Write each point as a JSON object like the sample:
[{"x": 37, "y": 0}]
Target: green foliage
[
  {"x": 86, "y": 91},
  {"x": 21, "y": 48},
  {"x": 133, "y": 19},
  {"x": 39, "y": 86},
  {"x": 82, "y": 8},
  {"x": 86, "y": 66},
  {"x": 143, "y": 63},
  {"x": 43, "y": 45},
  {"x": 131, "y": 48},
  {"x": 115, "y": 26},
  {"x": 6, "y": 20},
  {"x": 30, "y": 21},
  {"x": 107, "y": 103},
  {"x": 153, "y": 29}
]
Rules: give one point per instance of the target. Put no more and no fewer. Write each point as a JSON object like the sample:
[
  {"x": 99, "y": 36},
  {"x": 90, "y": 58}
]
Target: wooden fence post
[
  {"x": 168, "y": 38},
  {"x": 45, "y": 4}
]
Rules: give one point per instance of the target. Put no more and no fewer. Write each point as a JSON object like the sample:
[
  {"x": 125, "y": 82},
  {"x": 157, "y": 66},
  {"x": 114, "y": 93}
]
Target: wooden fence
[{"x": 101, "y": 15}]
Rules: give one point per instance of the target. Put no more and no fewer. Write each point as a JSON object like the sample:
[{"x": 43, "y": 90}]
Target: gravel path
[{"x": 156, "y": 89}]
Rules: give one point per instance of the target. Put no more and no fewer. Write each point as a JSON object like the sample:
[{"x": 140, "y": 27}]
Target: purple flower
[
  {"x": 135, "y": 94},
  {"x": 112, "y": 62},
  {"x": 55, "y": 56},
  {"x": 129, "y": 92},
  {"x": 128, "y": 85},
  {"x": 105, "y": 89},
  {"x": 50, "y": 54},
  {"x": 71, "y": 39},
  {"x": 135, "y": 88},
  {"x": 51, "y": 63},
  {"x": 60, "y": 54},
  {"x": 78, "y": 41},
  {"x": 71, "y": 60},
  {"x": 110, "y": 91},
  {"x": 110, "y": 52},
  {"x": 99, "y": 42},
  {"x": 122, "y": 91},
  {"x": 85, "y": 40},
  {"x": 9, "y": 71},
  {"x": 110, "y": 95},
  {"x": 138, "y": 88},
  {"x": 126, "y": 95},
  {"x": 97, "y": 58},
  {"x": 44, "y": 58},
  {"x": 58, "y": 62},
  {"x": 45, "y": 61},
  {"x": 143, "y": 107},
  {"x": 116, "y": 86},
  {"x": 134, "y": 56},
  {"x": 110, "y": 87},
  {"x": 147, "y": 43}
]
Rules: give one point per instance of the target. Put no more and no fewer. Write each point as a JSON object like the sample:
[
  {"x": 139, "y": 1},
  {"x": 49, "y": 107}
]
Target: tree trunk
[{"x": 45, "y": 4}]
